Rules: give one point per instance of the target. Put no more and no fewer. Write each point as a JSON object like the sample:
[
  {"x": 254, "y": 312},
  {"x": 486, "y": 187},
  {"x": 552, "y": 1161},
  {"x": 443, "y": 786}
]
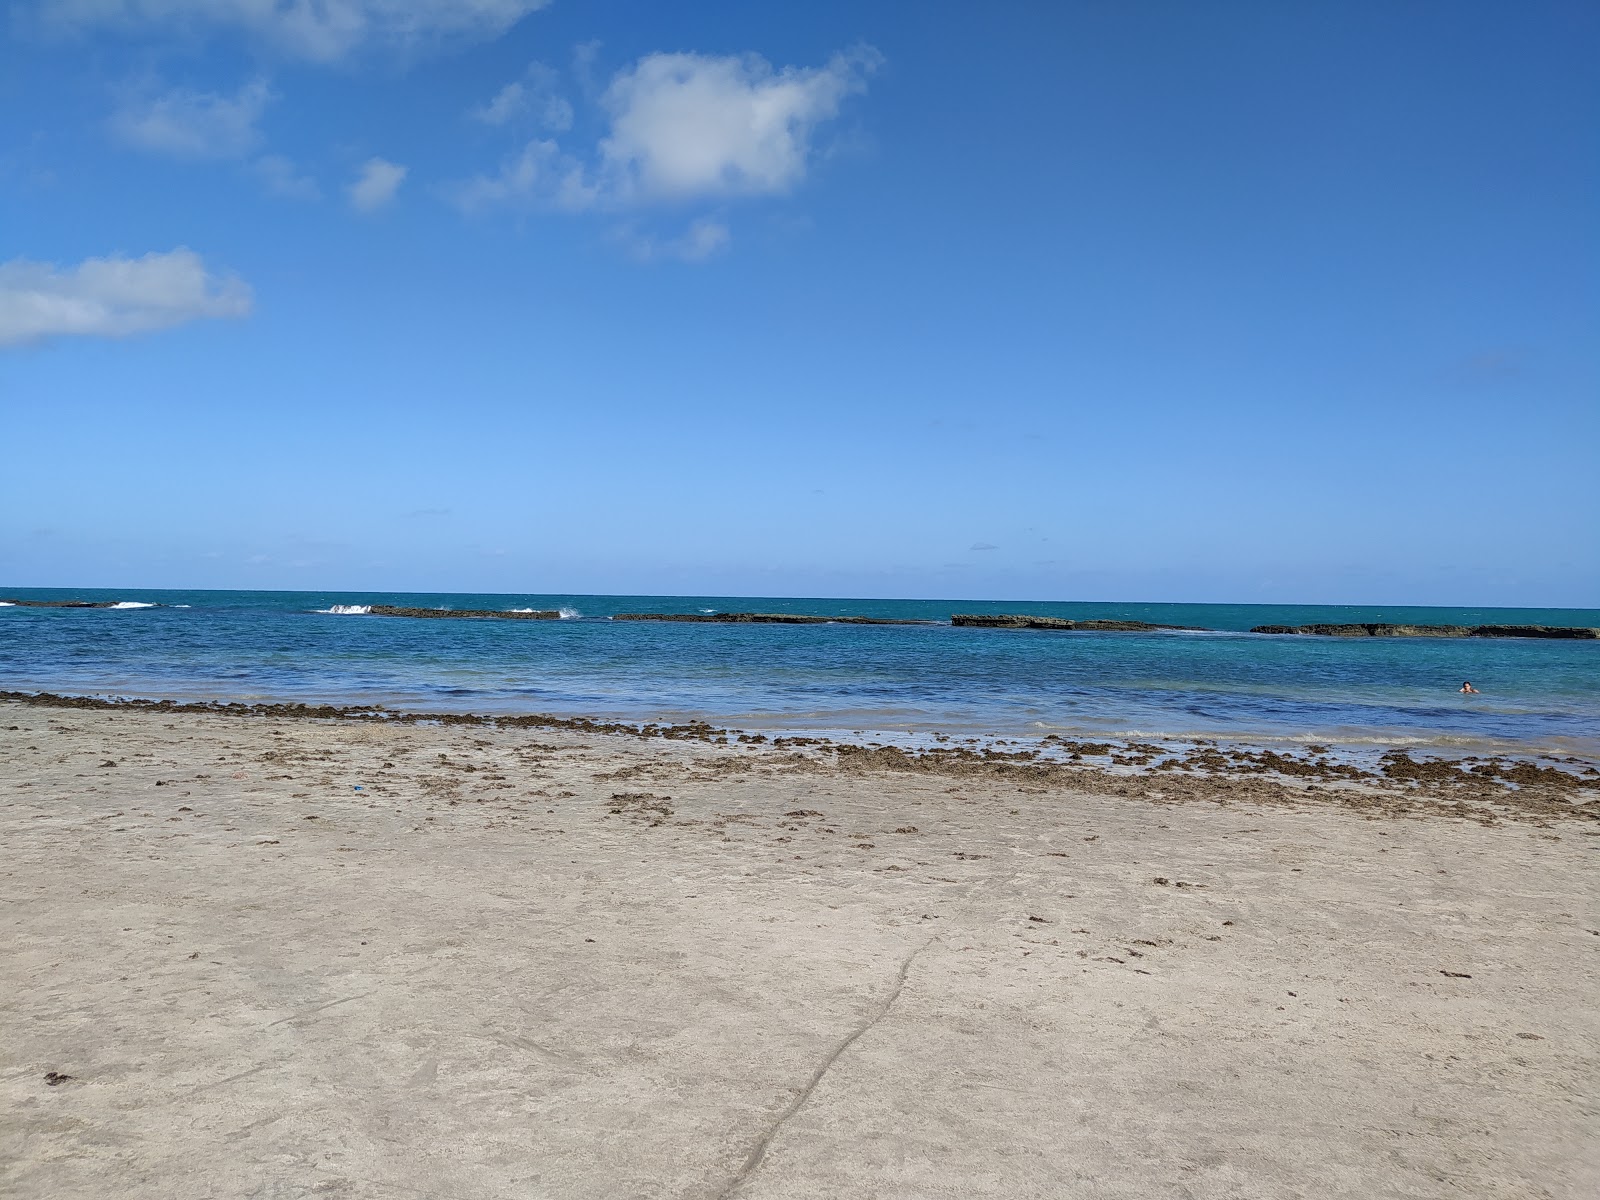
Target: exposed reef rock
[
  {"x": 1536, "y": 631},
  {"x": 767, "y": 619},
  {"x": 1010, "y": 621},
  {"x": 61, "y": 603},
  {"x": 1444, "y": 631},
  {"x": 1023, "y": 621},
  {"x": 390, "y": 610},
  {"x": 1372, "y": 630}
]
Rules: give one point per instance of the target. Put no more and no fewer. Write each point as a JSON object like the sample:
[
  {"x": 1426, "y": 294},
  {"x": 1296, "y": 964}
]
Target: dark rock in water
[
  {"x": 63, "y": 603},
  {"x": 1435, "y": 631},
  {"x": 766, "y": 619},
  {"x": 1536, "y": 631},
  {"x": 1024, "y": 621},
  {"x": 1010, "y": 621},
  {"x": 390, "y": 610},
  {"x": 1135, "y": 626},
  {"x": 1381, "y": 630}
]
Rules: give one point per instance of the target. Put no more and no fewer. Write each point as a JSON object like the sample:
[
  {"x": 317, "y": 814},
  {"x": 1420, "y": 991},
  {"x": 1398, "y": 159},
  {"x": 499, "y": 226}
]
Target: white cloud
[
  {"x": 113, "y": 297},
  {"x": 690, "y": 125},
  {"x": 702, "y": 240},
  {"x": 189, "y": 124},
  {"x": 321, "y": 30},
  {"x": 283, "y": 178},
  {"x": 376, "y": 185},
  {"x": 699, "y": 242},
  {"x": 507, "y": 103},
  {"x": 532, "y": 97},
  {"x": 537, "y": 176},
  {"x": 682, "y": 127}
]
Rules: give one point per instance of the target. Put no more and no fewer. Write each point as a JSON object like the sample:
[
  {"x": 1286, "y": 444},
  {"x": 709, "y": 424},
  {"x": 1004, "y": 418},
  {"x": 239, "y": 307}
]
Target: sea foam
[
  {"x": 134, "y": 604},
  {"x": 570, "y": 614},
  {"x": 347, "y": 610}
]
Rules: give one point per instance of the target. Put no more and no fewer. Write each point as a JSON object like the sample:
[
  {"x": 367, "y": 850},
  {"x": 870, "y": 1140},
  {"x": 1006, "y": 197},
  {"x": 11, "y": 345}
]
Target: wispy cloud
[
  {"x": 320, "y": 30},
  {"x": 533, "y": 99},
  {"x": 282, "y": 178},
  {"x": 539, "y": 175},
  {"x": 189, "y": 124},
  {"x": 113, "y": 297},
  {"x": 376, "y": 185},
  {"x": 983, "y": 546},
  {"x": 700, "y": 241}
]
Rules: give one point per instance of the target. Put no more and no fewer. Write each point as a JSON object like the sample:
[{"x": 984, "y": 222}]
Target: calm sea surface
[{"x": 1537, "y": 696}]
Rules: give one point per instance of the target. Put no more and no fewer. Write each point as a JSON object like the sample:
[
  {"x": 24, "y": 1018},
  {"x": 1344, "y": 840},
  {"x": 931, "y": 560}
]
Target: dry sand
[{"x": 523, "y": 963}]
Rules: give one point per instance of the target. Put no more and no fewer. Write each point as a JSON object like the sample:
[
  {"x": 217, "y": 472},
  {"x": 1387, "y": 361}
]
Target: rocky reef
[
  {"x": 1536, "y": 631},
  {"x": 1439, "y": 631},
  {"x": 1023, "y": 621},
  {"x": 742, "y": 618},
  {"x": 390, "y": 610}
]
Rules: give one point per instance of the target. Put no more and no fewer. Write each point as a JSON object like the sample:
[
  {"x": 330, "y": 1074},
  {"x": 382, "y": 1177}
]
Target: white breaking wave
[
  {"x": 6, "y": 604},
  {"x": 570, "y": 614},
  {"x": 522, "y": 610},
  {"x": 134, "y": 604},
  {"x": 708, "y": 610},
  {"x": 348, "y": 610}
]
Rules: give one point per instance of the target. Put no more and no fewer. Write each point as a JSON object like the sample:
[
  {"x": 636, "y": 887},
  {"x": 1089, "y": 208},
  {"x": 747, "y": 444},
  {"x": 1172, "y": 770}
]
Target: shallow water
[{"x": 1537, "y": 696}]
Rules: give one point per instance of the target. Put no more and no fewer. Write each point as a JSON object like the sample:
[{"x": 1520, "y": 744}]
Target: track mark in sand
[
  {"x": 206, "y": 1087},
  {"x": 312, "y": 1011},
  {"x": 758, "y": 1152},
  {"x": 243, "y": 1130}
]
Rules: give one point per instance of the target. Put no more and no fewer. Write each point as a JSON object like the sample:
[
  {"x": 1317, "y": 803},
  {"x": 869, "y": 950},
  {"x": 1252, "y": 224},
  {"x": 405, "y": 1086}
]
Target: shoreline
[
  {"x": 1360, "y": 745},
  {"x": 308, "y": 951},
  {"x": 1501, "y": 784}
]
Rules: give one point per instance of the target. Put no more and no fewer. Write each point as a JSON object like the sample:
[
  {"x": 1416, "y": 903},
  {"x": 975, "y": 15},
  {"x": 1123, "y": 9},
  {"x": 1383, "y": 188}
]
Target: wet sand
[{"x": 524, "y": 962}]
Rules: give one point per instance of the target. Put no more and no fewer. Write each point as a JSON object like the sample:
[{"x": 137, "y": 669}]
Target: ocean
[{"x": 893, "y": 683}]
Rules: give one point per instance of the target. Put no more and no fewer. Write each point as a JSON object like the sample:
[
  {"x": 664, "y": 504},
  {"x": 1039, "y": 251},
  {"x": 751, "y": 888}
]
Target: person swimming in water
[{"x": 1467, "y": 687}]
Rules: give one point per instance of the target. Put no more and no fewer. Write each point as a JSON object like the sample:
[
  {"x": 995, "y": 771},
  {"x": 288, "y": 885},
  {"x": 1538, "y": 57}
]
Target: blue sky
[{"x": 1244, "y": 302}]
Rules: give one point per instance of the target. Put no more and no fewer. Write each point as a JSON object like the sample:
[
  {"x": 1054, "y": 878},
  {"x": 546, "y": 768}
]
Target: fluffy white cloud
[
  {"x": 113, "y": 297},
  {"x": 190, "y": 124},
  {"x": 376, "y": 185},
  {"x": 321, "y": 30},
  {"x": 682, "y": 127},
  {"x": 688, "y": 125}
]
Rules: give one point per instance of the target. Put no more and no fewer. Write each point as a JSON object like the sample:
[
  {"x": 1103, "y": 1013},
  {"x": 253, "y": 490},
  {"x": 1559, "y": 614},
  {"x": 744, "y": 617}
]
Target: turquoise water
[{"x": 1537, "y": 696}]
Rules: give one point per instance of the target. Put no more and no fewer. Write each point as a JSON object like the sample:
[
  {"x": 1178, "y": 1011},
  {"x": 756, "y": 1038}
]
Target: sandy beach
[{"x": 280, "y": 957}]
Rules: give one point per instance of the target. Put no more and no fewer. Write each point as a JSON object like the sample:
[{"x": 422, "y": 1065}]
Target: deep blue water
[{"x": 1540, "y": 696}]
